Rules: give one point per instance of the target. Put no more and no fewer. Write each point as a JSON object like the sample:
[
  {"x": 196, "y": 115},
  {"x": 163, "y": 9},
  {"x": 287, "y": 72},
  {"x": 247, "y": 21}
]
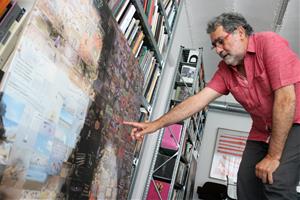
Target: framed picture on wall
[{"x": 229, "y": 147}]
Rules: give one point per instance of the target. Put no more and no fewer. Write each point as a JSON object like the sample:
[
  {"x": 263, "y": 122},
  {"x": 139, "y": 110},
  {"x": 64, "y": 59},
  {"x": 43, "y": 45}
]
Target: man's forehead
[
  {"x": 219, "y": 29},
  {"x": 218, "y": 32}
]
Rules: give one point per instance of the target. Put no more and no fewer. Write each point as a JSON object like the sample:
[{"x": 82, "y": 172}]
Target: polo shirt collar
[{"x": 251, "y": 44}]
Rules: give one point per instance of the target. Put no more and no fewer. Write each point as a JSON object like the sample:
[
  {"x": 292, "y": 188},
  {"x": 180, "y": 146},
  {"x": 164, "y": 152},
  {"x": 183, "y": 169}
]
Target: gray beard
[{"x": 232, "y": 60}]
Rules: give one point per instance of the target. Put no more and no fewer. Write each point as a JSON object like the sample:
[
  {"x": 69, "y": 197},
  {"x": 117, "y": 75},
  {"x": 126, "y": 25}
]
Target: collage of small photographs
[{"x": 66, "y": 138}]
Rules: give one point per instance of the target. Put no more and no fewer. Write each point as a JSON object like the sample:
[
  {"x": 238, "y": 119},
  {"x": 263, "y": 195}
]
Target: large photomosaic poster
[{"x": 69, "y": 86}]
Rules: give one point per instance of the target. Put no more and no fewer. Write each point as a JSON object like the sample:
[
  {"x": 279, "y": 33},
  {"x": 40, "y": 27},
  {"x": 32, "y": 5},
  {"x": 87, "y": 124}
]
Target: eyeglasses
[{"x": 219, "y": 42}]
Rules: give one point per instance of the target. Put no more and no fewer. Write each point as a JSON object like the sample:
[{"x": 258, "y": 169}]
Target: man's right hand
[{"x": 141, "y": 128}]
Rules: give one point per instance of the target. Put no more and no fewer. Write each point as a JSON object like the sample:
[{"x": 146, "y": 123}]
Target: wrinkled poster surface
[{"x": 70, "y": 84}]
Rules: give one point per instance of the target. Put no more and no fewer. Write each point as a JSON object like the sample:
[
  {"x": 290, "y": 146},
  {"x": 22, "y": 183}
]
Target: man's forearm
[
  {"x": 282, "y": 120},
  {"x": 188, "y": 107},
  {"x": 180, "y": 112}
]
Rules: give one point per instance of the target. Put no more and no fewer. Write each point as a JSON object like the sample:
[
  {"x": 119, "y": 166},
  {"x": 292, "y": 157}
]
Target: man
[{"x": 263, "y": 74}]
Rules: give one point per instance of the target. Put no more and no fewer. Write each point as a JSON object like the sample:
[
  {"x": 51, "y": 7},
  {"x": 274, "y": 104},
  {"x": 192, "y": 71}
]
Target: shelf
[
  {"x": 146, "y": 104},
  {"x": 161, "y": 178},
  {"x": 174, "y": 101},
  {"x": 178, "y": 186},
  {"x": 189, "y": 64},
  {"x": 163, "y": 12},
  {"x": 181, "y": 83},
  {"x": 167, "y": 152},
  {"x": 183, "y": 159}
]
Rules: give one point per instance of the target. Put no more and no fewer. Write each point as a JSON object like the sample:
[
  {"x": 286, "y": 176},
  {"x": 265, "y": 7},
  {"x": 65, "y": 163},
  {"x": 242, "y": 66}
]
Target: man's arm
[
  {"x": 180, "y": 112},
  {"x": 282, "y": 120}
]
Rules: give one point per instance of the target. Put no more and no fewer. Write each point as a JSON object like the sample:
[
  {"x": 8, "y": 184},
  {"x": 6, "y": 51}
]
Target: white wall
[{"x": 215, "y": 120}]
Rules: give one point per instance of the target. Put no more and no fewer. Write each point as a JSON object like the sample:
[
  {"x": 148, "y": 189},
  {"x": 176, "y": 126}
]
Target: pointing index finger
[{"x": 135, "y": 124}]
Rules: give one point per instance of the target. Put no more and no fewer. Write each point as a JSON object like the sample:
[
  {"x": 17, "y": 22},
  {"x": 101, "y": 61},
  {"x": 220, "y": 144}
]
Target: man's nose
[{"x": 219, "y": 49}]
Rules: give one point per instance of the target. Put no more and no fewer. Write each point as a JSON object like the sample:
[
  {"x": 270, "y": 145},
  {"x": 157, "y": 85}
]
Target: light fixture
[{"x": 279, "y": 15}]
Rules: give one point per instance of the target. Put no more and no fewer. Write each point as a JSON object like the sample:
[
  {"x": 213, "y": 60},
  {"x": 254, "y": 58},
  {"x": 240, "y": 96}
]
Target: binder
[
  {"x": 171, "y": 137},
  {"x": 3, "y": 6},
  {"x": 8, "y": 45},
  {"x": 11, "y": 15},
  {"x": 158, "y": 190}
]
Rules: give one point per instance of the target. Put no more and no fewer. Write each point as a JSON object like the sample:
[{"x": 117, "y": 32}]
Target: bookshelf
[
  {"x": 174, "y": 164},
  {"x": 154, "y": 19}
]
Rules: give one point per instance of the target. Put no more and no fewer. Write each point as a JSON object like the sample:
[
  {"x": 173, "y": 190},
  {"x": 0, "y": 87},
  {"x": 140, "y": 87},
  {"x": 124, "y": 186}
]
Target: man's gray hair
[{"x": 230, "y": 22}]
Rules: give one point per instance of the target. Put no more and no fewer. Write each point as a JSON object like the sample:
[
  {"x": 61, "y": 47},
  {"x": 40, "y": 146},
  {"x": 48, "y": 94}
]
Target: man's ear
[{"x": 241, "y": 31}]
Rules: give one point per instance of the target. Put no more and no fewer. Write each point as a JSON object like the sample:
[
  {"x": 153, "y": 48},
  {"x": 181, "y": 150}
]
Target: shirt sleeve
[
  {"x": 217, "y": 83},
  {"x": 282, "y": 64}
]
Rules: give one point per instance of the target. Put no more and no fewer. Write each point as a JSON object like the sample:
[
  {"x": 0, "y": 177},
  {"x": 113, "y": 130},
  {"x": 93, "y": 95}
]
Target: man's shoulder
[
  {"x": 267, "y": 39},
  {"x": 265, "y": 35}
]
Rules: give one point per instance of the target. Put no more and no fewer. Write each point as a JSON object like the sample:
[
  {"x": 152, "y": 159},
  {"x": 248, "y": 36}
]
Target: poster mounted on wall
[
  {"x": 69, "y": 86},
  {"x": 229, "y": 147}
]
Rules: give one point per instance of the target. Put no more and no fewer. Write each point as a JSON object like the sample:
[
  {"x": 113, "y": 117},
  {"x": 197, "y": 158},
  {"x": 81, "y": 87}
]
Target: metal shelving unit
[{"x": 178, "y": 155}]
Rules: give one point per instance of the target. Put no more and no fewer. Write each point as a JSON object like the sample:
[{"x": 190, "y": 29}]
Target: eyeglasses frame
[{"x": 219, "y": 42}]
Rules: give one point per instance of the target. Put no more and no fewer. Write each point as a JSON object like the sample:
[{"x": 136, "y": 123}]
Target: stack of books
[
  {"x": 11, "y": 22},
  {"x": 124, "y": 13},
  {"x": 156, "y": 21},
  {"x": 171, "y": 9}
]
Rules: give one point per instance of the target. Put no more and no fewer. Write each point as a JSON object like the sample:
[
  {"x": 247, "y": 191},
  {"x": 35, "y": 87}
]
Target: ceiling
[{"x": 261, "y": 14}]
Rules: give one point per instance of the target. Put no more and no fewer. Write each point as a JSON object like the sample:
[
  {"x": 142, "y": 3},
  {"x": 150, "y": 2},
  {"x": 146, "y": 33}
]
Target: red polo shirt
[{"x": 269, "y": 64}]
